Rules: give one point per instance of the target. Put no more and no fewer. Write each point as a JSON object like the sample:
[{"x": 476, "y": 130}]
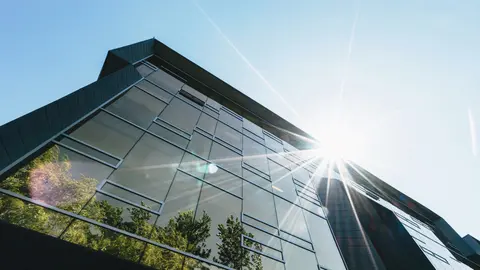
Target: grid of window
[{"x": 169, "y": 178}]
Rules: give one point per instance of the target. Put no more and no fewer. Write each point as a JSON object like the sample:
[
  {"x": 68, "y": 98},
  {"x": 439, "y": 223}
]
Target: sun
[{"x": 337, "y": 143}]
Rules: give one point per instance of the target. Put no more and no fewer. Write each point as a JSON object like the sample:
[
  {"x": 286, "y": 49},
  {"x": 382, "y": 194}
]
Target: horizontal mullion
[
  {"x": 86, "y": 155},
  {"x": 209, "y": 183},
  {"x": 106, "y": 193}
]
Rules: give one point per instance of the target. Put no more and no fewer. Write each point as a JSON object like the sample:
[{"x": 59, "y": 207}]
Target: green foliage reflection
[{"x": 48, "y": 178}]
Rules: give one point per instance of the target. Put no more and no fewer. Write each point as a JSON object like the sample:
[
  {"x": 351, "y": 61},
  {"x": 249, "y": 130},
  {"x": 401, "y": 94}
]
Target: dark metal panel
[
  {"x": 24, "y": 134},
  {"x": 11, "y": 140},
  {"x": 135, "y": 52},
  {"x": 34, "y": 128},
  {"x": 4, "y": 158}
]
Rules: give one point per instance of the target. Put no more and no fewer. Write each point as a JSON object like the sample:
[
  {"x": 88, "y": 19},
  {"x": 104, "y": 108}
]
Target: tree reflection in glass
[{"x": 49, "y": 179}]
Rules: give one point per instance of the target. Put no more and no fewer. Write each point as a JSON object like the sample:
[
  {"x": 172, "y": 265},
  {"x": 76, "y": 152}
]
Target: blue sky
[{"x": 396, "y": 83}]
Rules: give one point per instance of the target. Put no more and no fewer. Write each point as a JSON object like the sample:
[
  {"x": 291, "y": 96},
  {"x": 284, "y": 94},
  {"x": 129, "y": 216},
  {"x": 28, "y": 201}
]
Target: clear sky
[{"x": 395, "y": 81}]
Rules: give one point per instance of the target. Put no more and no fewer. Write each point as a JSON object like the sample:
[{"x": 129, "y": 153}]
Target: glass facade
[{"x": 168, "y": 178}]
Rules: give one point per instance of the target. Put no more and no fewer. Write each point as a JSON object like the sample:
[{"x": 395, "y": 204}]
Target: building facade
[{"x": 161, "y": 164}]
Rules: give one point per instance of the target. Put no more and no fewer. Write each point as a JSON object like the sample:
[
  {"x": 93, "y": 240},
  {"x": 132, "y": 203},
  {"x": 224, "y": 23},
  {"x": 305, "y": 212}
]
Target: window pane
[
  {"x": 259, "y": 204},
  {"x": 220, "y": 207},
  {"x": 31, "y": 216},
  {"x": 282, "y": 182},
  {"x": 207, "y": 123},
  {"x": 230, "y": 120},
  {"x": 291, "y": 218},
  {"x": 200, "y": 145},
  {"x": 273, "y": 144},
  {"x": 144, "y": 70},
  {"x": 89, "y": 150},
  {"x": 194, "y": 165},
  {"x": 256, "y": 179},
  {"x": 149, "y": 168},
  {"x": 226, "y": 158},
  {"x": 155, "y": 91},
  {"x": 137, "y": 107},
  {"x": 265, "y": 262},
  {"x": 311, "y": 205},
  {"x": 229, "y": 135},
  {"x": 254, "y": 154},
  {"x": 108, "y": 133},
  {"x": 213, "y": 104},
  {"x": 160, "y": 258},
  {"x": 118, "y": 214},
  {"x": 296, "y": 256},
  {"x": 194, "y": 93},
  {"x": 182, "y": 197},
  {"x": 168, "y": 135},
  {"x": 181, "y": 115},
  {"x": 55, "y": 175},
  {"x": 301, "y": 175},
  {"x": 130, "y": 196},
  {"x": 325, "y": 247},
  {"x": 224, "y": 180},
  {"x": 256, "y": 130},
  {"x": 165, "y": 81},
  {"x": 279, "y": 159}
]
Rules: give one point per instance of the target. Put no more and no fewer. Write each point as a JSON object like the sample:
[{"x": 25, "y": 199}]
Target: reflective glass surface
[{"x": 199, "y": 181}]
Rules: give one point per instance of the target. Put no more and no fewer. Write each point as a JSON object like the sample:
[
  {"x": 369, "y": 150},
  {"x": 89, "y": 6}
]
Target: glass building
[{"x": 161, "y": 164}]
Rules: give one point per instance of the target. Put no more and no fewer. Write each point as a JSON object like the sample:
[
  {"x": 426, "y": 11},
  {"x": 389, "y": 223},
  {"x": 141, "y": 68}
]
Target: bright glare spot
[
  {"x": 338, "y": 142},
  {"x": 212, "y": 168},
  {"x": 277, "y": 188}
]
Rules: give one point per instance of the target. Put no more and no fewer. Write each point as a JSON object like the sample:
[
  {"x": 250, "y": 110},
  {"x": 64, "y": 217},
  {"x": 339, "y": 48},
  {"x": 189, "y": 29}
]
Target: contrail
[
  {"x": 269, "y": 86},
  {"x": 473, "y": 132},
  {"x": 350, "y": 48}
]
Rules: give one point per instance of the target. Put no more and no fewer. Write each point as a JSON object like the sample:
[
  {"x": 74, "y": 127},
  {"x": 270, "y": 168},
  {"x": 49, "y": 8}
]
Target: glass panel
[
  {"x": 200, "y": 145},
  {"x": 108, "y": 133},
  {"x": 256, "y": 179},
  {"x": 254, "y": 137},
  {"x": 311, "y": 205},
  {"x": 226, "y": 158},
  {"x": 31, "y": 216},
  {"x": 132, "y": 197},
  {"x": 282, "y": 182},
  {"x": 207, "y": 123},
  {"x": 224, "y": 180},
  {"x": 194, "y": 165},
  {"x": 291, "y": 218},
  {"x": 254, "y": 154},
  {"x": 295, "y": 256},
  {"x": 210, "y": 112},
  {"x": 273, "y": 144},
  {"x": 296, "y": 240},
  {"x": 154, "y": 90},
  {"x": 251, "y": 127},
  {"x": 98, "y": 238},
  {"x": 181, "y": 198},
  {"x": 279, "y": 159},
  {"x": 123, "y": 216},
  {"x": 181, "y": 115},
  {"x": 144, "y": 70},
  {"x": 213, "y": 104},
  {"x": 230, "y": 120},
  {"x": 137, "y": 106},
  {"x": 160, "y": 258},
  {"x": 325, "y": 247},
  {"x": 261, "y": 262},
  {"x": 259, "y": 204},
  {"x": 58, "y": 177},
  {"x": 168, "y": 135},
  {"x": 165, "y": 81},
  {"x": 88, "y": 150},
  {"x": 226, "y": 229},
  {"x": 194, "y": 93},
  {"x": 229, "y": 135},
  {"x": 257, "y": 245},
  {"x": 150, "y": 167},
  {"x": 302, "y": 175}
]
